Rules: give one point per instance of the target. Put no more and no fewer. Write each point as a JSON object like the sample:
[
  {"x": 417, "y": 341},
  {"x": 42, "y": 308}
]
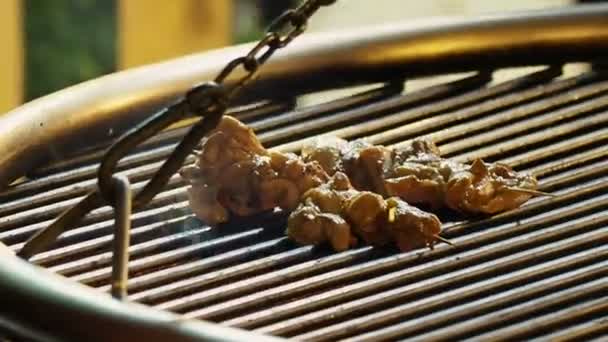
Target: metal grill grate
[{"x": 539, "y": 271}]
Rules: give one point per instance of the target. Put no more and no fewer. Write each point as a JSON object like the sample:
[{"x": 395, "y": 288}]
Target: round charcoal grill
[{"x": 537, "y": 272}]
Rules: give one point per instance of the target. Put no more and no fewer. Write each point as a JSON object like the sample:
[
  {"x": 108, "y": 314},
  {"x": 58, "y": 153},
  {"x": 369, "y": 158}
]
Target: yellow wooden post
[
  {"x": 11, "y": 67},
  {"x": 154, "y": 30}
]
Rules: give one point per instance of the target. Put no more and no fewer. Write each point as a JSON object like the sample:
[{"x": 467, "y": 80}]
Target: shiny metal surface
[
  {"x": 122, "y": 236},
  {"x": 542, "y": 265},
  {"x": 65, "y": 310}
]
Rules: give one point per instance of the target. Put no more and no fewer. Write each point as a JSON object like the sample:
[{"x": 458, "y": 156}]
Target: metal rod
[
  {"x": 45, "y": 237},
  {"x": 122, "y": 230}
]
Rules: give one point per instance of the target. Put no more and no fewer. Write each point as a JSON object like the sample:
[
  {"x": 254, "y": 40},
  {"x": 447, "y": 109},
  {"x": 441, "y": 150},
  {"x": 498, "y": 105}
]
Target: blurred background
[{"x": 52, "y": 44}]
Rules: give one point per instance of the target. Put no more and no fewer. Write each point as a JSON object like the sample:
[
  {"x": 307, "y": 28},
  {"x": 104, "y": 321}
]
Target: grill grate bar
[
  {"x": 80, "y": 178},
  {"x": 547, "y": 134},
  {"x": 582, "y": 173},
  {"x": 170, "y": 256},
  {"x": 412, "y": 314},
  {"x": 197, "y": 266},
  {"x": 492, "y": 105},
  {"x": 581, "y": 332},
  {"x": 372, "y": 111},
  {"x": 501, "y": 317},
  {"x": 596, "y": 137},
  {"x": 339, "y": 105},
  {"x": 483, "y": 139},
  {"x": 537, "y": 326},
  {"x": 74, "y": 238},
  {"x": 292, "y": 273},
  {"x": 551, "y": 167},
  {"x": 135, "y": 251},
  {"x": 422, "y": 275},
  {"x": 173, "y": 274},
  {"x": 68, "y": 192},
  {"x": 84, "y": 245},
  {"x": 449, "y": 104},
  {"x": 470, "y": 242},
  {"x": 35, "y": 220}
]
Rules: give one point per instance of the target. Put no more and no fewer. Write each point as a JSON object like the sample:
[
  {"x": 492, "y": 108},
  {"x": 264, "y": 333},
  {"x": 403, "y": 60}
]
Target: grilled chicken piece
[
  {"x": 336, "y": 213},
  {"x": 411, "y": 227},
  {"x": 489, "y": 188},
  {"x": 235, "y": 174},
  {"x": 328, "y": 152},
  {"x": 422, "y": 176},
  {"x": 417, "y": 174},
  {"x": 362, "y": 162},
  {"x": 318, "y": 218}
]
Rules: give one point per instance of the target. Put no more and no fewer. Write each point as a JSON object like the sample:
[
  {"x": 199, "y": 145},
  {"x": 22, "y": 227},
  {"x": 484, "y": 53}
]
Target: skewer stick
[
  {"x": 438, "y": 237},
  {"x": 444, "y": 240},
  {"x": 531, "y": 192}
]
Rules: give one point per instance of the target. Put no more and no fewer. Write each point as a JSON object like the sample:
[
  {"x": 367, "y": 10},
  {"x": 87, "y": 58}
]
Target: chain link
[{"x": 208, "y": 100}]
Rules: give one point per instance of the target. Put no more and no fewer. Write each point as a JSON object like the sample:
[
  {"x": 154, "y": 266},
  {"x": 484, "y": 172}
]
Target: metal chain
[{"x": 208, "y": 100}]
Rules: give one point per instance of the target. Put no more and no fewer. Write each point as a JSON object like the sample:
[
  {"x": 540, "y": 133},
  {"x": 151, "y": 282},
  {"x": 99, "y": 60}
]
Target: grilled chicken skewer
[
  {"x": 337, "y": 213},
  {"x": 418, "y": 175},
  {"x": 235, "y": 174}
]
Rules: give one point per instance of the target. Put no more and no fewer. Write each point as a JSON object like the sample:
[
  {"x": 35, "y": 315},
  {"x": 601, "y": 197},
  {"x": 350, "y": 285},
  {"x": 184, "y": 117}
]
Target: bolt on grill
[{"x": 536, "y": 272}]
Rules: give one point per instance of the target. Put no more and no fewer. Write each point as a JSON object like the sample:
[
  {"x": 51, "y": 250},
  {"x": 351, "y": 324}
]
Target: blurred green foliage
[
  {"x": 71, "y": 41},
  {"x": 67, "y": 42}
]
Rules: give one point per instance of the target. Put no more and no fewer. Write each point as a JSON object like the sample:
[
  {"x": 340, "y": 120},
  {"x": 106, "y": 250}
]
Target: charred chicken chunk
[
  {"x": 489, "y": 188},
  {"x": 328, "y": 152},
  {"x": 422, "y": 182},
  {"x": 318, "y": 218},
  {"x": 422, "y": 176},
  {"x": 411, "y": 227},
  {"x": 362, "y": 162},
  {"x": 235, "y": 174},
  {"x": 336, "y": 213},
  {"x": 417, "y": 174}
]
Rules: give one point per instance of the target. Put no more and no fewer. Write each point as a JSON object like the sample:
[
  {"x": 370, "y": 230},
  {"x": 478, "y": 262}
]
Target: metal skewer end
[
  {"x": 531, "y": 192},
  {"x": 444, "y": 240}
]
